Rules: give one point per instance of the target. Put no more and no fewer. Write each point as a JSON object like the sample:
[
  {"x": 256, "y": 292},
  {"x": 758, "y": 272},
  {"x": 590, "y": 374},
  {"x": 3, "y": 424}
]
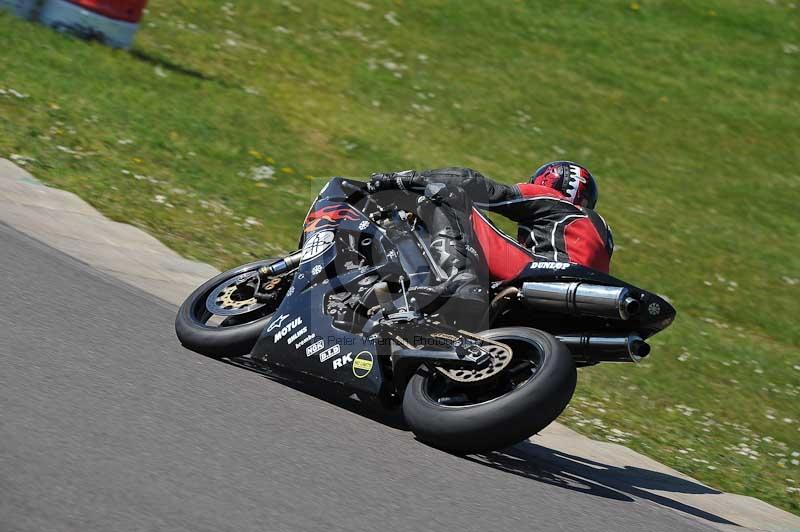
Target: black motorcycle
[{"x": 338, "y": 310}]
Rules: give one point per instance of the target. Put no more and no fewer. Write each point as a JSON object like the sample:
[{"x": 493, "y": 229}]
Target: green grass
[{"x": 687, "y": 112}]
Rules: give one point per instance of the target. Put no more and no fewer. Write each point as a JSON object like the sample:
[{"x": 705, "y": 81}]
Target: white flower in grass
[
  {"x": 391, "y": 18},
  {"x": 13, "y": 92},
  {"x": 250, "y": 222},
  {"x": 160, "y": 198},
  {"x": 362, "y": 5},
  {"x": 291, "y": 7},
  {"x": 259, "y": 173}
]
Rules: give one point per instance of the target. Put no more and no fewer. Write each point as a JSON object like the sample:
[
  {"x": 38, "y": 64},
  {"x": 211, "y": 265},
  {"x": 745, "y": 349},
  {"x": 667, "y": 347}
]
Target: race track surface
[{"x": 107, "y": 423}]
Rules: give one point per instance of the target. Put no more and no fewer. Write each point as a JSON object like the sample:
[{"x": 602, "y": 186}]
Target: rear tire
[
  {"x": 217, "y": 342},
  {"x": 501, "y": 421}
]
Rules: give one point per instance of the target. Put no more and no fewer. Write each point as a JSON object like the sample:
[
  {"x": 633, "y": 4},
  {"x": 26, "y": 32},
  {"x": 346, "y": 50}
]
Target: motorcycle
[{"x": 339, "y": 311}]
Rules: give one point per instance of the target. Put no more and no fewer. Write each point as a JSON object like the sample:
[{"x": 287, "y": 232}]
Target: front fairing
[{"x": 302, "y": 335}]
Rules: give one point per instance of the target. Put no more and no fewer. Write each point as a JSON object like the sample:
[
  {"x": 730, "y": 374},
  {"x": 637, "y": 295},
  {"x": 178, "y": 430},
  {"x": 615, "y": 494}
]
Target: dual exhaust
[{"x": 586, "y": 299}]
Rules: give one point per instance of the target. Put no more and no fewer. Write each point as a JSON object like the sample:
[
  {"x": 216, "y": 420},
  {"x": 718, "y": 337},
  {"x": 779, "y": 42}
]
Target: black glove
[{"x": 406, "y": 180}]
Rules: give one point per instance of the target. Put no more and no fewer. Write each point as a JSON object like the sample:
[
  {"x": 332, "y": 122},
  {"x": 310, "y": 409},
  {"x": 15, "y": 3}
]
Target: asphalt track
[{"x": 107, "y": 423}]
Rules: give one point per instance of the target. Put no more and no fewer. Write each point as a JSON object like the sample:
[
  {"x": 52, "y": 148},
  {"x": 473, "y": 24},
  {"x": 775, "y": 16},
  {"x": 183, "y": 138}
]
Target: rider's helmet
[{"x": 571, "y": 179}]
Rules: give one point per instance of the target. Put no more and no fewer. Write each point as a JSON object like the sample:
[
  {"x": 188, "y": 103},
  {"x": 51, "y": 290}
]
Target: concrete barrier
[{"x": 21, "y": 8}]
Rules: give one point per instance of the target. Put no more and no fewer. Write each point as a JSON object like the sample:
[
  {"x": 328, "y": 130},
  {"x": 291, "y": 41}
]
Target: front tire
[
  {"x": 231, "y": 338},
  {"x": 496, "y": 422}
]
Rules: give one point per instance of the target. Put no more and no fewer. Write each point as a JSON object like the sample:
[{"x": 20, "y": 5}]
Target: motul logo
[{"x": 288, "y": 327}]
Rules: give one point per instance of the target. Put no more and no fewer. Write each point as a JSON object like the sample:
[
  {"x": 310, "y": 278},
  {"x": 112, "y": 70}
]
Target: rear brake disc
[{"x": 500, "y": 357}]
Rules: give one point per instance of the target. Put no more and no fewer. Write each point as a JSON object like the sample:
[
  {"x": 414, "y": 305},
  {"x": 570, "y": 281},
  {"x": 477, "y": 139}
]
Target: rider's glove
[{"x": 407, "y": 180}]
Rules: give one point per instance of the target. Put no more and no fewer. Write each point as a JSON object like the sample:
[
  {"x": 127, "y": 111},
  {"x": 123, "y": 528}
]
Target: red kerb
[{"x": 126, "y": 10}]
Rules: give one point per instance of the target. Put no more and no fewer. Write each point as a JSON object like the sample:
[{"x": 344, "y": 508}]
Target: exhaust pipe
[
  {"x": 582, "y": 299},
  {"x": 606, "y": 348}
]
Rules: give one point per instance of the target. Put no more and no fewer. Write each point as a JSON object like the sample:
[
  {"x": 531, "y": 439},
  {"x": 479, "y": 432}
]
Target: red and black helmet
[{"x": 571, "y": 179}]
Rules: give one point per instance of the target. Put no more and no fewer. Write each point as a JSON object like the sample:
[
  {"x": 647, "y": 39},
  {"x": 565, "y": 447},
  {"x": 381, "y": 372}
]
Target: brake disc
[
  {"x": 500, "y": 357},
  {"x": 229, "y": 299}
]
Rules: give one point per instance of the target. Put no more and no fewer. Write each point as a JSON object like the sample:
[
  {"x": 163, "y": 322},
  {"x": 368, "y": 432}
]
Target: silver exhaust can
[
  {"x": 581, "y": 299},
  {"x": 630, "y": 348}
]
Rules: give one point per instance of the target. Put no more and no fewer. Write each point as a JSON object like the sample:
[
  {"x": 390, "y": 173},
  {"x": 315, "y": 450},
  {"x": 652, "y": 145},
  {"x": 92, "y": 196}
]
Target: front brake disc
[{"x": 231, "y": 299}]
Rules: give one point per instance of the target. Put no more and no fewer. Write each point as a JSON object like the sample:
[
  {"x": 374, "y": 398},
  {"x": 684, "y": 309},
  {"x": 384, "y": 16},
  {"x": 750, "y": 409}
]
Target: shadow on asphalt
[
  {"x": 332, "y": 394},
  {"x": 535, "y": 462},
  {"x": 571, "y": 472}
]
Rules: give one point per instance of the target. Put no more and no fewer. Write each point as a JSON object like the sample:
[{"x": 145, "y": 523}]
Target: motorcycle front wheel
[
  {"x": 222, "y": 318},
  {"x": 529, "y": 394}
]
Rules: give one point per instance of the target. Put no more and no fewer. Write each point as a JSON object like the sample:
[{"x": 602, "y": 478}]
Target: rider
[{"x": 554, "y": 210}]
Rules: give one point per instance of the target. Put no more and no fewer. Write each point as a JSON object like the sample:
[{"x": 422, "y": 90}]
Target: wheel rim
[
  {"x": 237, "y": 294},
  {"x": 525, "y": 364}
]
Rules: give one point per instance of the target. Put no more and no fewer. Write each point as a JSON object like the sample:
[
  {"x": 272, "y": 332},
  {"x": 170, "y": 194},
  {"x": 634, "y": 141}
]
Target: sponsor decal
[
  {"x": 287, "y": 328},
  {"x": 329, "y": 353},
  {"x": 654, "y": 309},
  {"x": 362, "y": 364},
  {"x": 277, "y": 322},
  {"x": 297, "y": 334},
  {"x": 304, "y": 341},
  {"x": 551, "y": 265},
  {"x": 313, "y": 348},
  {"x": 318, "y": 244},
  {"x": 329, "y": 216},
  {"x": 343, "y": 360}
]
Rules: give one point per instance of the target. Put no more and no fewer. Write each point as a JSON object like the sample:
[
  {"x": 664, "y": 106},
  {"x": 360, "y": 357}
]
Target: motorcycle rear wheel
[
  {"x": 528, "y": 395},
  {"x": 236, "y": 334}
]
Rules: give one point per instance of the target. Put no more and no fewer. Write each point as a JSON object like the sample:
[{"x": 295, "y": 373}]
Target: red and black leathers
[{"x": 550, "y": 227}]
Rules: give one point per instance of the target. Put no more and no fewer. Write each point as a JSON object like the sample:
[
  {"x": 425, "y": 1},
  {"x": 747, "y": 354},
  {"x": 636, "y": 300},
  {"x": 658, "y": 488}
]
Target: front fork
[{"x": 284, "y": 265}]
